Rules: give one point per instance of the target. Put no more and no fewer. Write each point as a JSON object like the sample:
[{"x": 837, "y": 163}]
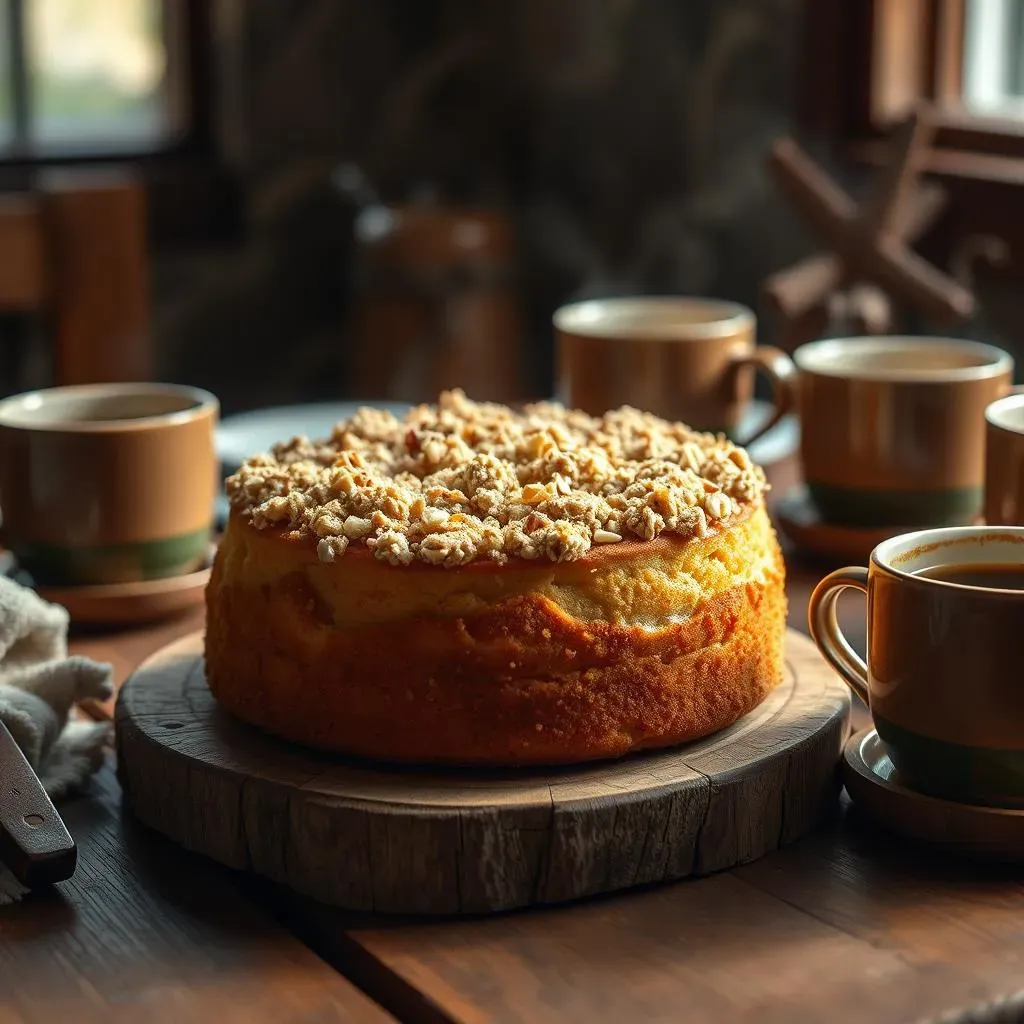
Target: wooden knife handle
[{"x": 34, "y": 843}]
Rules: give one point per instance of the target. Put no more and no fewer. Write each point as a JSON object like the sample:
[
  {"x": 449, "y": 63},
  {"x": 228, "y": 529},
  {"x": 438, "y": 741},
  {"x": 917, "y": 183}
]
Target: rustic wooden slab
[{"x": 400, "y": 840}]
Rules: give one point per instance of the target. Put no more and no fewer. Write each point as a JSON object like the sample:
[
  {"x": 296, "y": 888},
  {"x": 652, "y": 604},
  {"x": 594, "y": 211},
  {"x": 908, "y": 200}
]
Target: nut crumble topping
[{"x": 461, "y": 480}]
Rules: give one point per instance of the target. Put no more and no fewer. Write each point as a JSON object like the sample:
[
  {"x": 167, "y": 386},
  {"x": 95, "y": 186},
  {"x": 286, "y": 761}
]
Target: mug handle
[
  {"x": 824, "y": 626},
  {"x": 781, "y": 374}
]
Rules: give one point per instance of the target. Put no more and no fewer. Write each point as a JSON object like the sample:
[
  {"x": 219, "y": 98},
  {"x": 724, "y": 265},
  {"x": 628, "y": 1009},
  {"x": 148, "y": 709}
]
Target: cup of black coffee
[{"x": 943, "y": 676}]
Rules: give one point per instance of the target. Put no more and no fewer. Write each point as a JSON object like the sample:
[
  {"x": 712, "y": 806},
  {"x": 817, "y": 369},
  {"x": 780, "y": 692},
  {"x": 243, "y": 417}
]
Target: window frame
[
  {"x": 867, "y": 63},
  {"x": 186, "y": 30},
  {"x": 864, "y": 64},
  {"x": 192, "y": 198}
]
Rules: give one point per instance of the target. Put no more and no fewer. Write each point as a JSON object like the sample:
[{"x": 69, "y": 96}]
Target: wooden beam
[
  {"x": 865, "y": 241},
  {"x": 828, "y": 209},
  {"x": 909, "y": 143},
  {"x": 900, "y": 59},
  {"x": 947, "y": 55},
  {"x": 793, "y": 292}
]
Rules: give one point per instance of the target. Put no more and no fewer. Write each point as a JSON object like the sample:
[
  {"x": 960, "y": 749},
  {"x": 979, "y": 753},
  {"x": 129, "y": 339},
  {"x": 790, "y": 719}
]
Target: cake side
[{"x": 632, "y": 646}]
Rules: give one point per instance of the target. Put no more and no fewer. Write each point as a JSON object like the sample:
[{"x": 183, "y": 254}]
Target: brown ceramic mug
[
  {"x": 108, "y": 483},
  {"x": 1004, "y": 461},
  {"x": 684, "y": 359},
  {"x": 892, "y": 429},
  {"x": 942, "y": 676}
]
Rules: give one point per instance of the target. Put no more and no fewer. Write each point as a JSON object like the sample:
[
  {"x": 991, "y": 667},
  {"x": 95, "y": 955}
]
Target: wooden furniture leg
[
  {"x": 95, "y": 225},
  {"x": 23, "y": 279}
]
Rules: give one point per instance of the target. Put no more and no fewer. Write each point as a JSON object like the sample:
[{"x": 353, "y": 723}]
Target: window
[
  {"x": 993, "y": 57},
  {"x": 86, "y": 77},
  {"x": 6, "y": 98},
  {"x": 866, "y": 63}
]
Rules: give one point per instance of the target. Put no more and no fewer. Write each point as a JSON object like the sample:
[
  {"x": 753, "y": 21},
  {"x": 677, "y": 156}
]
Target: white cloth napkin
[{"x": 40, "y": 683}]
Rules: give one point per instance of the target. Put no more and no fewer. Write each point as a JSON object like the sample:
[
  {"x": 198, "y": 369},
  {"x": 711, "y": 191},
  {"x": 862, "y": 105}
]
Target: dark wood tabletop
[{"x": 849, "y": 924}]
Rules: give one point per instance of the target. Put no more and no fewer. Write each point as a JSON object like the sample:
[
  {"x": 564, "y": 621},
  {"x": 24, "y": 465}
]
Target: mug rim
[
  {"x": 203, "y": 403},
  {"x": 572, "y": 318},
  {"x": 1000, "y": 405},
  {"x": 882, "y": 554},
  {"x": 997, "y": 360}
]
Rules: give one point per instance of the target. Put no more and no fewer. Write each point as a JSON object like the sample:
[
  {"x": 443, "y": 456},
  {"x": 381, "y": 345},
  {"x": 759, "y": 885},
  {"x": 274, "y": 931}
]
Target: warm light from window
[
  {"x": 96, "y": 70},
  {"x": 6, "y": 112},
  {"x": 993, "y": 80},
  {"x": 83, "y": 75}
]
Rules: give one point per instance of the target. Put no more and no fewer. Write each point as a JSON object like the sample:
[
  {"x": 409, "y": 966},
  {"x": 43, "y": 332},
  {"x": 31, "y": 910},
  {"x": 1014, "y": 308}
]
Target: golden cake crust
[{"x": 636, "y": 645}]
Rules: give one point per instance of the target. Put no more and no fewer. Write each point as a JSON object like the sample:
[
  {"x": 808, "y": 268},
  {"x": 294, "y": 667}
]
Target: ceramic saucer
[
  {"x": 126, "y": 604},
  {"x": 990, "y": 833},
  {"x": 800, "y": 521},
  {"x": 247, "y": 433}
]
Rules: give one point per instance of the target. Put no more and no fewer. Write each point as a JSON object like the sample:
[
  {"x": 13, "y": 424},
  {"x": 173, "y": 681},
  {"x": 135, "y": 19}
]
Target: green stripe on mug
[
  {"x": 114, "y": 563},
  {"x": 979, "y": 775},
  {"x": 850, "y": 506}
]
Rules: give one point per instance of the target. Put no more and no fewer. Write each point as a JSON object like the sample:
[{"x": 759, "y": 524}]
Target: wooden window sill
[{"x": 972, "y": 166}]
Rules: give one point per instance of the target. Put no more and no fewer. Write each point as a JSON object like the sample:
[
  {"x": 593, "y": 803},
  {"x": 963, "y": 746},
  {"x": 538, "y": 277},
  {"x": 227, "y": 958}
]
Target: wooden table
[{"x": 849, "y": 924}]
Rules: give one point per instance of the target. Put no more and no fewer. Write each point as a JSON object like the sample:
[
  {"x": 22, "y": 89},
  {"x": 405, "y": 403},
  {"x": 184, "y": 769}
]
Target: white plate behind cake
[{"x": 249, "y": 433}]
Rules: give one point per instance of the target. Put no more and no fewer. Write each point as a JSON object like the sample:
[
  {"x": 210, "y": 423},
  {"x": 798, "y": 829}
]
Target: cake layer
[
  {"x": 645, "y": 584},
  {"x": 635, "y": 645}
]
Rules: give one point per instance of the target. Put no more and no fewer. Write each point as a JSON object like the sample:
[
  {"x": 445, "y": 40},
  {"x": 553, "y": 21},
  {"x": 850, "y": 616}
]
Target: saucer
[
  {"x": 124, "y": 604},
  {"x": 799, "y": 520},
  {"x": 989, "y": 833},
  {"x": 248, "y": 433}
]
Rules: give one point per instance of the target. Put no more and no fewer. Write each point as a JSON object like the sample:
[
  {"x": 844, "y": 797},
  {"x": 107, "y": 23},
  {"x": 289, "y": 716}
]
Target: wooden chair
[
  {"x": 73, "y": 249},
  {"x": 437, "y": 305}
]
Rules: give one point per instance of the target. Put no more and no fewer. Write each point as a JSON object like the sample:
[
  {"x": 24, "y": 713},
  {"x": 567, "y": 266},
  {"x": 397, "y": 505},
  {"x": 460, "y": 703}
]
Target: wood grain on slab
[
  {"x": 144, "y": 931},
  {"x": 402, "y": 840}
]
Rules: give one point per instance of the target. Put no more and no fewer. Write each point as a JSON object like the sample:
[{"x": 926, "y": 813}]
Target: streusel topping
[{"x": 459, "y": 481}]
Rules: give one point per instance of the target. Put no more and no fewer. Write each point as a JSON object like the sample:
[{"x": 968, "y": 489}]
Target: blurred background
[{"x": 329, "y": 199}]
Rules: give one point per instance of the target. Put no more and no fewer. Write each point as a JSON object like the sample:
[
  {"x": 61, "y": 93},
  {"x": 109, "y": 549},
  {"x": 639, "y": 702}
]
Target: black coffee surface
[{"x": 991, "y": 576}]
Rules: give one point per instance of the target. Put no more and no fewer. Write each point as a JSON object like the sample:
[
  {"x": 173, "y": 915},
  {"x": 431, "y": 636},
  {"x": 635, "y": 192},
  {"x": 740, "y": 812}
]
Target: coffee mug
[
  {"x": 1004, "y": 461},
  {"x": 892, "y": 429},
  {"x": 680, "y": 358},
  {"x": 945, "y": 611},
  {"x": 108, "y": 483}
]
